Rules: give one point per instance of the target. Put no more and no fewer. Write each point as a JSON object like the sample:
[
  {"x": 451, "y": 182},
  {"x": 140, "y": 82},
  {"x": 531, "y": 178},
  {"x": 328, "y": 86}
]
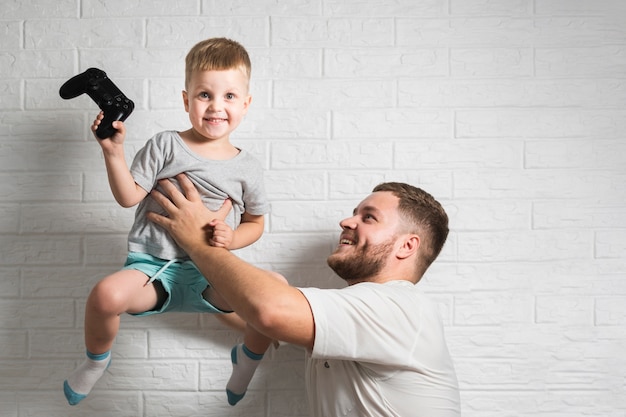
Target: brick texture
[{"x": 512, "y": 113}]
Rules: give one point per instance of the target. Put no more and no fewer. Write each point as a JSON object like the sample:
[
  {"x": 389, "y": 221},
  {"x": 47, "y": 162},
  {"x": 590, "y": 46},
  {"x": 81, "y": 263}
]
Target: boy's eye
[
  {"x": 204, "y": 95},
  {"x": 230, "y": 96}
]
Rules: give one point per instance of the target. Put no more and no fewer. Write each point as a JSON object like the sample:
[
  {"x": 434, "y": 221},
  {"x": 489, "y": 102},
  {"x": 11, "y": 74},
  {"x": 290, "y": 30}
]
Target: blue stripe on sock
[
  {"x": 233, "y": 398},
  {"x": 250, "y": 354},
  {"x": 99, "y": 356},
  {"x": 73, "y": 398}
]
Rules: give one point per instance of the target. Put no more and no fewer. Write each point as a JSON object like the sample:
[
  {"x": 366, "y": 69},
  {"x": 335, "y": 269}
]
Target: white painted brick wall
[{"x": 512, "y": 113}]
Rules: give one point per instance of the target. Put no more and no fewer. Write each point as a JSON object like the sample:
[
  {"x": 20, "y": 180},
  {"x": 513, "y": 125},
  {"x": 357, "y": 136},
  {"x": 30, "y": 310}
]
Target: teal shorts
[{"x": 181, "y": 280}]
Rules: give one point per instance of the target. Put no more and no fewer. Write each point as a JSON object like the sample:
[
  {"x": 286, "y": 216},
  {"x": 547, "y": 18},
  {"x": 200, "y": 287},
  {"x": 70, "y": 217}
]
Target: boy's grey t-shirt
[{"x": 164, "y": 156}]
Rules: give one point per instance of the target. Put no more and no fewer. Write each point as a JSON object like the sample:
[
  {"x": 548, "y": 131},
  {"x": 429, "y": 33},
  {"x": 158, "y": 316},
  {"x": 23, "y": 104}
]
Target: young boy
[{"x": 158, "y": 275}]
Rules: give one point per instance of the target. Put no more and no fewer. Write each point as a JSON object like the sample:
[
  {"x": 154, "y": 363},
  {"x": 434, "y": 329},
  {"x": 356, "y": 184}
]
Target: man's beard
[{"x": 362, "y": 264}]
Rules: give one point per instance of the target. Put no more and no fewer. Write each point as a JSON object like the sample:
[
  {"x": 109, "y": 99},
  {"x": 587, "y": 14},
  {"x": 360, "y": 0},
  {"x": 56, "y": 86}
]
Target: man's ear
[{"x": 410, "y": 245}]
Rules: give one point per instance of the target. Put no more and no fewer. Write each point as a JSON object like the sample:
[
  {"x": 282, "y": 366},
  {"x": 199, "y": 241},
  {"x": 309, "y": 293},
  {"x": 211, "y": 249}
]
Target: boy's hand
[
  {"x": 118, "y": 136},
  {"x": 220, "y": 234}
]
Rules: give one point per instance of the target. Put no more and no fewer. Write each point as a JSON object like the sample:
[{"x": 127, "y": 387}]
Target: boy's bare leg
[
  {"x": 121, "y": 292},
  {"x": 233, "y": 321}
]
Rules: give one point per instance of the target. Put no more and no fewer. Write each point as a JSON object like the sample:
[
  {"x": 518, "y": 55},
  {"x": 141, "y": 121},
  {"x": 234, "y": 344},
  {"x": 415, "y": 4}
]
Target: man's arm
[{"x": 274, "y": 308}]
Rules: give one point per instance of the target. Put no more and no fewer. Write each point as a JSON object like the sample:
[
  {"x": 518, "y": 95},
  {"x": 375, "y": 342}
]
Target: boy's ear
[
  {"x": 246, "y": 103},
  {"x": 186, "y": 101},
  {"x": 410, "y": 245}
]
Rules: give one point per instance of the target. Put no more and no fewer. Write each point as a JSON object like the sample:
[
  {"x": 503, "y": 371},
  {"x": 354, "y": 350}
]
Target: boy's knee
[{"x": 105, "y": 298}]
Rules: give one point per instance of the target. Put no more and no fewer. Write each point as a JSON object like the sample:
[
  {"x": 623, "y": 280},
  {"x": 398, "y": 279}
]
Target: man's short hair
[{"x": 422, "y": 215}]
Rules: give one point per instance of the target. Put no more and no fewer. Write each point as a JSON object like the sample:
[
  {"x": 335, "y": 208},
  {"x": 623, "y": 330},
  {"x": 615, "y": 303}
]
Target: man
[{"x": 374, "y": 348}]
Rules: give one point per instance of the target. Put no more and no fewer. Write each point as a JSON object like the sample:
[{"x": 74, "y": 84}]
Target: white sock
[
  {"x": 245, "y": 363},
  {"x": 82, "y": 380}
]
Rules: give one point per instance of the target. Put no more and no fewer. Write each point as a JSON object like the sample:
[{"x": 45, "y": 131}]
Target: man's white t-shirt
[{"x": 379, "y": 350}]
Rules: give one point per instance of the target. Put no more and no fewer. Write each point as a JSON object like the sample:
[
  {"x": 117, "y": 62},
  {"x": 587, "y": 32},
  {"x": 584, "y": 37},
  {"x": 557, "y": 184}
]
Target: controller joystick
[{"x": 114, "y": 104}]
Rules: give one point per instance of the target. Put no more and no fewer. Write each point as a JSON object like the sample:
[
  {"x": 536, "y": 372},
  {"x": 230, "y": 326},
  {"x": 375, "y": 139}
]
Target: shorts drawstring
[{"x": 163, "y": 268}]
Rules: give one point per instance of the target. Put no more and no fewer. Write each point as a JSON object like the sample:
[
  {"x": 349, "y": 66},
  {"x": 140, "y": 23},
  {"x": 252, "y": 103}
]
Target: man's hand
[
  {"x": 189, "y": 221},
  {"x": 270, "y": 305}
]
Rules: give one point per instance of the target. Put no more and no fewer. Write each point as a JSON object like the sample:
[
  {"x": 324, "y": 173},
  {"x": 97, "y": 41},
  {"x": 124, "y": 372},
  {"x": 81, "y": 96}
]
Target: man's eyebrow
[{"x": 366, "y": 209}]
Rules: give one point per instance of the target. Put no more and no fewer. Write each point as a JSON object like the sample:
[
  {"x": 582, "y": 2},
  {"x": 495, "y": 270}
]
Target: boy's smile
[{"x": 216, "y": 102}]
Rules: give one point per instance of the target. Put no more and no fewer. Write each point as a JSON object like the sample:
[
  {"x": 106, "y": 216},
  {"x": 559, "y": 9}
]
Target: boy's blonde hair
[{"x": 217, "y": 54}]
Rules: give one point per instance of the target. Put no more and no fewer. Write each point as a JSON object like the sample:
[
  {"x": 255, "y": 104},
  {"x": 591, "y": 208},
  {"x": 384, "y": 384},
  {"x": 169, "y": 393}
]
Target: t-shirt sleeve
[
  {"x": 147, "y": 163},
  {"x": 363, "y": 324},
  {"x": 254, "y": 195}
]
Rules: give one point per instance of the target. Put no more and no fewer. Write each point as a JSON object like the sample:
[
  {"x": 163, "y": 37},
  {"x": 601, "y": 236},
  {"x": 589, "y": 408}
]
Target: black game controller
[{"x": 114, "y": 104}]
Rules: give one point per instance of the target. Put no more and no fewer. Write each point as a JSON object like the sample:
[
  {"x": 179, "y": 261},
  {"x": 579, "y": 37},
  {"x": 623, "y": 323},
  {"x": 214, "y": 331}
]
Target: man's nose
[{"x": 348, "y": 223}]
